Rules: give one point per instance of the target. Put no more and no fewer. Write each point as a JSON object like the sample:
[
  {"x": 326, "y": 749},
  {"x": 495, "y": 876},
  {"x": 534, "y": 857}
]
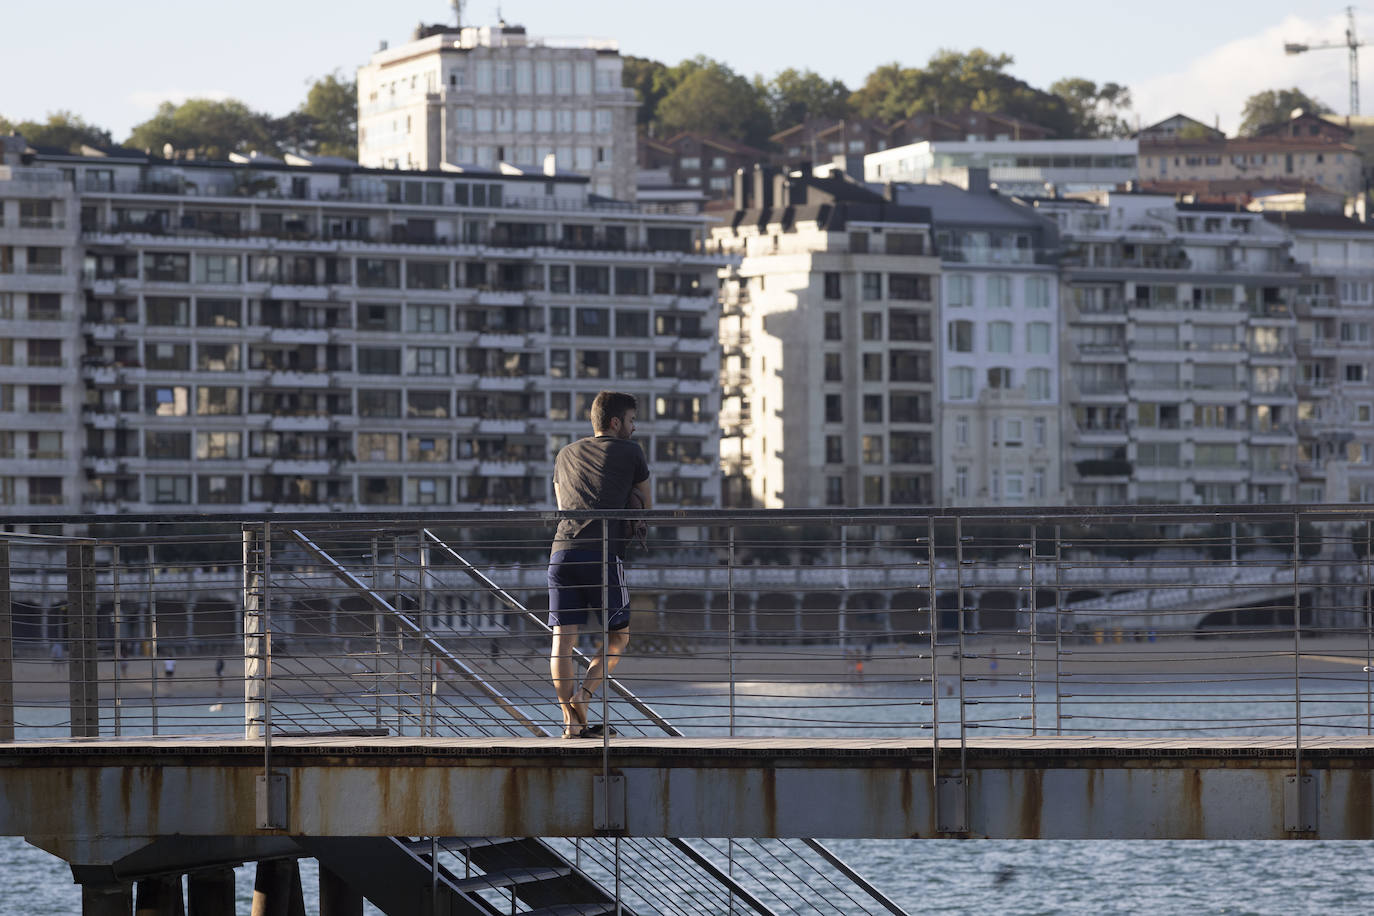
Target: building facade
[
  {"x": 698, "y": 161},
  {"x": 1030, "y": 167},
  {"x": 494, "y": 95},
  {"x": 1178, "y": 332},
  {"x": 829, "y": 355},
  {"x": 1335, "y": 310},
  {"x": 999, "y": 410},
  {"x": 275, "y": 336}
]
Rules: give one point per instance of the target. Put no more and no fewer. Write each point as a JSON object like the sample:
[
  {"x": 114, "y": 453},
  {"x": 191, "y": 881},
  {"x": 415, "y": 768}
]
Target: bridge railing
[{"x": 1137, "y": 621}]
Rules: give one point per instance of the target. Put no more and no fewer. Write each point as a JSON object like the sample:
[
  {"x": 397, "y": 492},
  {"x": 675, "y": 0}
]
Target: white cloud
[
  {"x": 1217, "y": 84},
  {"x": 148, "y": 99}
]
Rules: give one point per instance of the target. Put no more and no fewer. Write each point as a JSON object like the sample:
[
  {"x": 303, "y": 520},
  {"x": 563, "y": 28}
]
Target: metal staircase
[{"x": 439, "y": 876}]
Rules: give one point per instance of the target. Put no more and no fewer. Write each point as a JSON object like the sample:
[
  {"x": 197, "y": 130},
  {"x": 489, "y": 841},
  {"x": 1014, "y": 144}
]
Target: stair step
[
  {"x": 456, "y": 843},
  {"x": 574, "y": 909},
  {"x": 510, "y": 877}
]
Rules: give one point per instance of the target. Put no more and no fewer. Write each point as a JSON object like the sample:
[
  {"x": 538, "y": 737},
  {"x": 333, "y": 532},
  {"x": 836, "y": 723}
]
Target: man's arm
[{"x": 641, "y": 490}]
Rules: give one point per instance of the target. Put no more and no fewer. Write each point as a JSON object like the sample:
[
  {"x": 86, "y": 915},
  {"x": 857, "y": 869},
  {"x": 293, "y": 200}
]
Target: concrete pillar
[
  {"x": 107, "y": 901},
  {"x": 336, "y": 897},
  {"x": 277, "y": 889},
  {"x": 210, "y": 892},
  {"x": 160, "y": 897}
]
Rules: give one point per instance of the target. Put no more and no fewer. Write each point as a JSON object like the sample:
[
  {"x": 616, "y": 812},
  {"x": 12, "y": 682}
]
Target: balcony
[{"x": 1104, "y": 467}]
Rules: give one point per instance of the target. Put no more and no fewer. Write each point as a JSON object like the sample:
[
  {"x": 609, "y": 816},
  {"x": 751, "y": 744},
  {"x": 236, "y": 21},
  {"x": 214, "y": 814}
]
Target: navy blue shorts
[{"x": 575, "y": 588}]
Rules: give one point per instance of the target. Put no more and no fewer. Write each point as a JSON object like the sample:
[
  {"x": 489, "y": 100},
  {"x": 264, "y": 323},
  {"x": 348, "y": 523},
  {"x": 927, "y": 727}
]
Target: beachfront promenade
[{"x": 355, "y": 715}]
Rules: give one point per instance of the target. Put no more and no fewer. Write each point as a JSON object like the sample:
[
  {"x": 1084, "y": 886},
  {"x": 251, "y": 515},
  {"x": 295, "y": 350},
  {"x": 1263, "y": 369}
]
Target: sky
[{"x": 112, "y": 63}]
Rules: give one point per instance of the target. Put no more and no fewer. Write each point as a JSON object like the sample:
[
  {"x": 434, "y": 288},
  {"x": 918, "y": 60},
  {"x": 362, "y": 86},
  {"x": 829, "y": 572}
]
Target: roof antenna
[{"x": 457, "y": 12}]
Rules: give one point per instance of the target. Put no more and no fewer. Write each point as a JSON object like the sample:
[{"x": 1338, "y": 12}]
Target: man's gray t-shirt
[{"x": 595, "y": 473}]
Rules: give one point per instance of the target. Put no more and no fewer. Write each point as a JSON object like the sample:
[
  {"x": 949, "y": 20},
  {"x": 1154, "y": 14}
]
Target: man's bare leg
[
  {"x": 564, "y": 678},
  {"x": 615, "y": 646}
]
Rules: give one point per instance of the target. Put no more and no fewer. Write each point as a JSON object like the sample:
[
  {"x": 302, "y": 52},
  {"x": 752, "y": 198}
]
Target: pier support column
[
  {"x": 336, "y": 897},
  {"x": 160, "y": 897},
  {"x": 210, "y": 892},
  {"x": 107, "y": 901},
  {"x": 277, "y": 889}
]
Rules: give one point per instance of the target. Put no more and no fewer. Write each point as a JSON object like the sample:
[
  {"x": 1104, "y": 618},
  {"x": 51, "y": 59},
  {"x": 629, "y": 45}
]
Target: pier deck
[{"x": 1034, "y": 787}]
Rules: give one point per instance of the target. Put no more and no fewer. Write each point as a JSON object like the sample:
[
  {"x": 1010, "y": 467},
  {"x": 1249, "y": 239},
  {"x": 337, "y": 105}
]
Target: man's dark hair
[{"x": 609, "y": 405}]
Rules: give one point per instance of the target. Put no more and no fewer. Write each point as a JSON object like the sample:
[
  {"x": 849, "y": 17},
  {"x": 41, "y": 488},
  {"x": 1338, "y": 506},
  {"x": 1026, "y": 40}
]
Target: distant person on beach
[
  {"x": 604, "y": 471},
  {"x": 169, "y": 667}
]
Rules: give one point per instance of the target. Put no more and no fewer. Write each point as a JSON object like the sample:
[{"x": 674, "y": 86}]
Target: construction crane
[{"x": 1351, "y": 43}]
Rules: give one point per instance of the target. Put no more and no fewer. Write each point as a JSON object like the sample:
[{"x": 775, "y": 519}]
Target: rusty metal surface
[{"x": 1040, "y": 788}]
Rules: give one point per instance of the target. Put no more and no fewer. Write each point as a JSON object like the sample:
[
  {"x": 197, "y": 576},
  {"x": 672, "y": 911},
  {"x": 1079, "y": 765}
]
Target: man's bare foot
[{"x": 581, "y": 706}]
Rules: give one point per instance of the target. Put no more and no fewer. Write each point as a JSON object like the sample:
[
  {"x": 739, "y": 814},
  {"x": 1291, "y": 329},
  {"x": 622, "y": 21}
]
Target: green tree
[
  {"x": 1097, "y": 111},
  {"x": 329, "y": 117},
  {"x": 954, "y": 81},
  {"x": 712, "y": 98},
  {"x": 794, "y": 95},
  {"x": 1275, "y": 106},
  {"x": 210, "y": 128},
  {"x": 62, "y": 130},
  {"x": 650, "y": 81}
]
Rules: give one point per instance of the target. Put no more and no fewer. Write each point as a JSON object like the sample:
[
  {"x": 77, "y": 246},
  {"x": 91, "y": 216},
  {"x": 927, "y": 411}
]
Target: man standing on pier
[{"x": 604, "y": 471}]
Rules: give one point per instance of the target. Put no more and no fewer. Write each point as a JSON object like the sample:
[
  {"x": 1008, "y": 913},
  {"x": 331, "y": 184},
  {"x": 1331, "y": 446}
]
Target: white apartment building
[
  {"x": 1335, "y": 311},
  {"x": 40, "y": 350},
  {"x": 1027, "y": 167},
  {"x": 829, "y": 365},
  {"x": 1178, "y": 335},
  {"x": 495, "y": 97},
  {"x": 999, "y": 404},
  {"x": 279, "y": 336}
]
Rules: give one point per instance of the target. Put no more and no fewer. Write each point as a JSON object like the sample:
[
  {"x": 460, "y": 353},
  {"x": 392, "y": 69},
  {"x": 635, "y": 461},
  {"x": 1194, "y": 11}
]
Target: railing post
[
  {"x": 1298, "y": 820},
  {"x": 118, "y": 636},
  {"x": 730, "y": 620},
  {"x": 934, "y": 676},
  {"x": 6, "y": 647},
  {"x": 1058, "y": 626},
  {"x": 83, "y": 668},
  {"x": 152, "y": 639},
  {"x": 1034, "y": 679},
  {"x": 254, "y": 633}
]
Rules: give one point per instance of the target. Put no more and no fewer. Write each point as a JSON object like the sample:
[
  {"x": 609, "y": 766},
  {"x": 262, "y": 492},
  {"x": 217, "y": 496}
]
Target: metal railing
[{"x": 941, "y": 625}]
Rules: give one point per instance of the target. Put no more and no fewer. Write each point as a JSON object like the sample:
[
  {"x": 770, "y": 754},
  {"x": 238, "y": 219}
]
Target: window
[
  {"x": 872, "y": 447},
  {"x": 217, "y": 268},
  {"x": 872, "y": 286},
  {"x": 379, "y": 403},
  {"x": 873, "y": 325},
  {"x": 217, "y": 357},
  {"x": 169, "y": 488},
  {"x": 432, "y": 405},
  {"x": 1354, "y": 372},
  {"x": 219, "y": 313},
  {"x": 1038, "y": 384},
  {"x": 873, "y": 367},
  {"x": 873, "y": 490},
  {"x": 593, "y": 322},
  {"x": 427, "y": 491},
  {"x": 166, "y": 446},
  {"x": 908, "y": 286},
  {"x": 1038, "y": 337},
  {"x": 999, "y": 291},
  {"x": 960, "y": 336},
  {"x": 999, "y": 337},
  {"x": 961, "y": 482},
  {"x": 832, "y": 325},
  {"x": 834, "y": 412},
  {"x": 834, "y": 491},
  {"x": 1037, "y": 293},
  {"x": 379, "y": 360},
  {"x": 958, "y": 290},
  {"x": 833, "y": 371},
  {"x": 873, "y": 408},
  {"x": 961, "y": 430},
  {"x": 429, "y": 319},
  {"x": 168, "y": 312},
  {"x": 832, "y": 286},
  {"x": 1012, "y": 431},
  {"x": 960, "y": 382},
  {"x": 218, "y": 446},
  {"x": 429, "y": 360},
  {"x": 834, "y": 449},
  {"x": 999, "y": 377},
  {"x": 1039, "y": 425}
]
